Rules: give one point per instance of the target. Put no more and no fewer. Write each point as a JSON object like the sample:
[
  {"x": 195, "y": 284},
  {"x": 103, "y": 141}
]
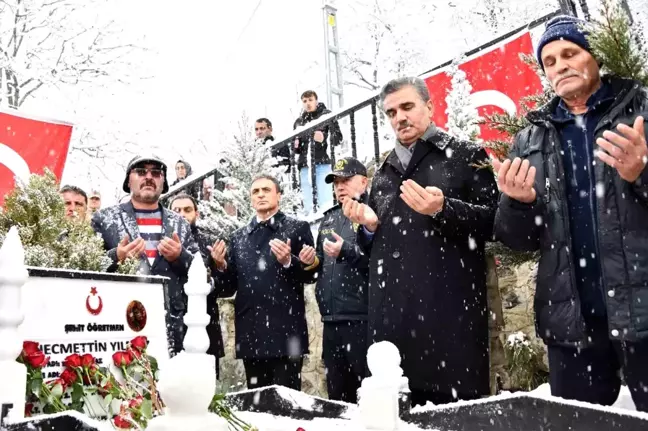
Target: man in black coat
[
  {"x": 160, "y": 238},
  {"x": 263, "y": 132},
  {"x": 585, "y": 208},
  {"x": 430, "y": 212},
  {"x": 187, "y": 207},
  {"x": 263, "y": 267},
  {"x": 313, "y": 148},
  {"x": 342, "y": 286}
]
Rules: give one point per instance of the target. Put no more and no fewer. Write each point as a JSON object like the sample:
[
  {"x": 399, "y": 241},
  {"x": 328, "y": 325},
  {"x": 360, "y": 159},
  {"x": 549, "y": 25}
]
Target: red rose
[
  {"x": 300, "y": 429},
  {"x": 91, "y": 372},
  {"x": 121, "y": 422},
  {"x": 28, "y": 409},
  {"x": 30, "y": 347},
  {"x": 136, "y": 402},
  {"x": 87, "y": 360},
  {"x": 37, "y": 359},
  {"x": 73, "y": 361},
  {"x": 139, "y": 343},
  {"x": 122, "y": 358},
  {"x": 69, "y": 377}
]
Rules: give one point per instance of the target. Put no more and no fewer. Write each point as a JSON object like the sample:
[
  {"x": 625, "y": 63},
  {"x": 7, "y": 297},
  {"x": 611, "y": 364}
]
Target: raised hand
[
  {"x": 126, "y": 248},
  {"x": 625, "y": 150},
  {"x": 333, "y": 248},
  {"x": 217, "y": 252},
  {"x": 361, "y": 214},
  {"x": 516, "y": 179},
  {"x": 170, "y": 248},
  {"x": 281, "y": 250},
  {"x": 426, "y": 201},
  {"x": 307, "y": 255}
]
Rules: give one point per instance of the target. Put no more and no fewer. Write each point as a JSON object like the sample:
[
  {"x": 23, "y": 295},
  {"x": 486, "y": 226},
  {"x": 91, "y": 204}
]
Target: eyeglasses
[{"x": 155, "y": 172}]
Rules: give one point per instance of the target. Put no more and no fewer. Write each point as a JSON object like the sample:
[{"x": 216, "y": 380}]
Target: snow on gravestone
[{"x": 82, "y": 312}]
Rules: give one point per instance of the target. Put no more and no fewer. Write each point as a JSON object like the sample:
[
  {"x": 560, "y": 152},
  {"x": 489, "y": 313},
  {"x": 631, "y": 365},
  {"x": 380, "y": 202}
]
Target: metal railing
[{"x": 350, "y": 113}]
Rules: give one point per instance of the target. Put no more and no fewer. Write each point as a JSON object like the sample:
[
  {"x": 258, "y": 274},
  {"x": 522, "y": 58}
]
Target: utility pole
[{"x": 334, "y": 93}]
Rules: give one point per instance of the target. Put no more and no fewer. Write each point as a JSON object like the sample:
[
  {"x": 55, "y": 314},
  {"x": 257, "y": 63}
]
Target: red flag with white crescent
[
  {"x": 499, "y": 79},
  {"x": 29, "y": 145}
]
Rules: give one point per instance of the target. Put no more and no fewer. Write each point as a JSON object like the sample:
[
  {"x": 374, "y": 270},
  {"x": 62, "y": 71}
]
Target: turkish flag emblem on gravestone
[
  {"x": 28, "y": 146},
  {"x": 499, "y": 79}
]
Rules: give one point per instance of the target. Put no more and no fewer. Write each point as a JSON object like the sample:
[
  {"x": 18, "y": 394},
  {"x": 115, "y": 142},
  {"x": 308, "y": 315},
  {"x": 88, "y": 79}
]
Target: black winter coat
[
  {"x": 622, "y": 211},
  {"x": 427, "y": 277},
  {"x": 213, "y": 328},
  {"x": 331, "y": 130},
  {"x": 342, "y": 282},
  {"x": 115, "y": 222},
  {"x": 269, "y": 305}
]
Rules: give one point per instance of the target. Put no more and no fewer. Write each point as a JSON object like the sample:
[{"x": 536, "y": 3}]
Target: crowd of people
[{"x": 404, "y": 261}]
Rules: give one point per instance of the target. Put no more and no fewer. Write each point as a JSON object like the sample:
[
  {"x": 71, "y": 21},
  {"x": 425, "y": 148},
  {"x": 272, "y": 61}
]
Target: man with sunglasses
[{"x": 142, "y": 229}]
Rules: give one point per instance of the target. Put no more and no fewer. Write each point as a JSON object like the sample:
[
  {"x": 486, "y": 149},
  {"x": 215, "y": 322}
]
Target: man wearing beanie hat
[
  {"x": 142, "y": 229},
  {"x": 575, "y": 188}
]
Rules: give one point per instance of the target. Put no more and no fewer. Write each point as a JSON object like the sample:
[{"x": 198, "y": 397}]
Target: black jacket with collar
[
  {"x": 427, "y": 275},
  {"x": 622, "y": 211},
  {"x": 342, "y": 282},
  {"x": 319, "y": 149},
  {"x": 269, "y": 304},
  {"x": 116, "y": 222}
]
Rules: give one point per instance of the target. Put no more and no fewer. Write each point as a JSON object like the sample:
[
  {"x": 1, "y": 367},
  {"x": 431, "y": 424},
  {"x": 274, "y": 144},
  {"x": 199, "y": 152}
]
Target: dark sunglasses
[{"x": 155, "y": 172}]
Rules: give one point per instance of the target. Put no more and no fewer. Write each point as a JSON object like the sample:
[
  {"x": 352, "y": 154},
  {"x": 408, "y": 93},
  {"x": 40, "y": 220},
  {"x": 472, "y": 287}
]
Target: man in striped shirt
[{"x": 141, "y": 228}]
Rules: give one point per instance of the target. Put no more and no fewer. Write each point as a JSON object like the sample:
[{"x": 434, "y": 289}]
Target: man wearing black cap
[
  {"x": 342, "y": 283},
  {"x": 576, "y": 188},
  {"x": 161, "y": 239}
]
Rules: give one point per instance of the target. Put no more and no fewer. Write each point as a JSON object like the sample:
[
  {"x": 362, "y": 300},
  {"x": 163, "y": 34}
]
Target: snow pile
[
  {"x": 267, "y": 422},
  {"x": 624, "y": 402}
]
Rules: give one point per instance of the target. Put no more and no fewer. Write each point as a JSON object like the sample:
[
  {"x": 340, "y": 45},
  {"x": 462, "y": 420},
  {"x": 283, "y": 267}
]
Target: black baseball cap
[{"x": 346, "y": 168}]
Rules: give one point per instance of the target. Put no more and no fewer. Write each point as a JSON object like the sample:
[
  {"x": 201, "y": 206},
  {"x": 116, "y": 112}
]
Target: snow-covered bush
[
  {"x": 49, "y": 238},
  {"x": 242, "y": 162},
  {"x": 524, "y": 362}
]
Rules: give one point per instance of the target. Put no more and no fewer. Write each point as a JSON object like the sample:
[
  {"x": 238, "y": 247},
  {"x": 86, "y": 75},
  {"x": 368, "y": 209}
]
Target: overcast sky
[{"x": 210, "y": 60}]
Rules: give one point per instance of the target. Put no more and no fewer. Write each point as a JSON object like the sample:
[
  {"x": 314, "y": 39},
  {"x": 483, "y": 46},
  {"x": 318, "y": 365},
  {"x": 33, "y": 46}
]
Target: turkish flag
[
  {"x": 499, "y": 79},
  {"x": 29, "y": 145}
]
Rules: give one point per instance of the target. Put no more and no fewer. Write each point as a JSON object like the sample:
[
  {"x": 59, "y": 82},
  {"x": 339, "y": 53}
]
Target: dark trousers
[
  {"x": 592, "y": 374},
  {"x": 344, "y": 350},
  {"x": 273, "y": 371}
]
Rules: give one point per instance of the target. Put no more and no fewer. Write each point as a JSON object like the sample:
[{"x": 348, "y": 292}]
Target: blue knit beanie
[{"x": 563, "y": 27}]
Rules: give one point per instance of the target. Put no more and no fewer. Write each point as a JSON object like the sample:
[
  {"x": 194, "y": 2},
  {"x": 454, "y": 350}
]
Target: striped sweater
[{"x": 149, "y": 223}]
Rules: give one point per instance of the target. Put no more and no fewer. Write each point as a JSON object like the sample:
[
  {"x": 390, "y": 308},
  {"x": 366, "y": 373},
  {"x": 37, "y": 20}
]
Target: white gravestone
[{"x": 13, "y": 375}]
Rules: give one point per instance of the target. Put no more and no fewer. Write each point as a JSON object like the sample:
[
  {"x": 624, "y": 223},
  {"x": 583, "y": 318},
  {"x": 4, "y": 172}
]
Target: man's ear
[{"x": 430, "y": 106}]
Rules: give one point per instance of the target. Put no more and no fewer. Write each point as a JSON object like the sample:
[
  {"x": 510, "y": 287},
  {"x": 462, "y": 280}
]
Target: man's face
[
  {"x": 408, "y": 114},
  {"x": 75, "y": 206},
  {"x": 94, "y": 203},
  {"x": 265, "y": 196},
  {"x": 309, "y": 103},
  {"x": 146, "y": 183},
  {"x": 185, "y": 208},
  {"x": 571, "y": 70},
  {"x": 349, "y": 188},
  {"x": 181, "y": 171},
  {"x": 262, "y": 130}
]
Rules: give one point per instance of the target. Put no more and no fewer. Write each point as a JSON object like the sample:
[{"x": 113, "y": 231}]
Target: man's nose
[{"x": 400, "y": 115}]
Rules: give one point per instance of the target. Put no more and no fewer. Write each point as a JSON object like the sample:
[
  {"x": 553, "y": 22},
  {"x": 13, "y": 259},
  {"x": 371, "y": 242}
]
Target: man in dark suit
[{"x": 264, "y": 268}]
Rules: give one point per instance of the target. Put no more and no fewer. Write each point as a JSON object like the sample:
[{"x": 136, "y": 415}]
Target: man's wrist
[{"x": 371, "y": 227}]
